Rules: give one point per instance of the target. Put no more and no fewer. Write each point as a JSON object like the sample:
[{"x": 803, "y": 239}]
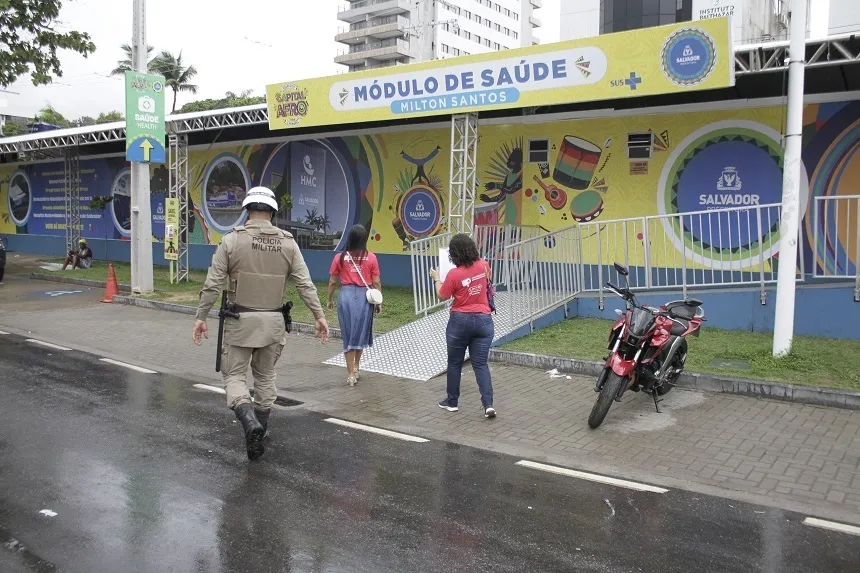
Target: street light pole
[
  {"x": 141, "y": 211},
  {"x": 783, "y": 327}
]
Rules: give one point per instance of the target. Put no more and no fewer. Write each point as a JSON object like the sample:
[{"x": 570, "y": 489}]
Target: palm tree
[
  {"x": 177, "y": 75},
  {"x": 125, "y": 65}
]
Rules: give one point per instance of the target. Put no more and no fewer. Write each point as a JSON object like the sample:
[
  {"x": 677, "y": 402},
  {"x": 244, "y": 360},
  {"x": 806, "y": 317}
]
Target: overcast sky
[{"x": 234, "y": 46}]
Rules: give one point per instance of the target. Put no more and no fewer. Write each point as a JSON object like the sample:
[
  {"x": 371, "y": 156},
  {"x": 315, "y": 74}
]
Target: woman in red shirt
[
  {"x": 470, "y": 325},
  {"x": 357, "y": 269}
]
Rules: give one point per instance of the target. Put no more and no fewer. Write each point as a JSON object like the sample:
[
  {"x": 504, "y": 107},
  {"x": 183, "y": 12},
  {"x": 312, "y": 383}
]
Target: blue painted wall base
[{"x": 827, "y": 310}]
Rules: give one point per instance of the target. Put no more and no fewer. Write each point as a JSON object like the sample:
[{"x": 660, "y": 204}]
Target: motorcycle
[{"x": 648, "y": 348}]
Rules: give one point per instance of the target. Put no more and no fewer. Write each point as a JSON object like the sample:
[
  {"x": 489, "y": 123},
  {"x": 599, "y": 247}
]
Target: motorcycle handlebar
[{"x": 618, "y": 290}]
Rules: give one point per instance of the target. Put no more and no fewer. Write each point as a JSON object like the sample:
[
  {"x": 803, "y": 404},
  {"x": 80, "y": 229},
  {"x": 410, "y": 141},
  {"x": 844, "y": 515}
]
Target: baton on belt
[{"x": 226, "y": 311}]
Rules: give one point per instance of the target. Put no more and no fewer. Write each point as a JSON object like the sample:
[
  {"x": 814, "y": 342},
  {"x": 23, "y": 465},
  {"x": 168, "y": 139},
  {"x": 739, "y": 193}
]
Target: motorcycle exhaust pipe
[{"x": 673, "y": 349}]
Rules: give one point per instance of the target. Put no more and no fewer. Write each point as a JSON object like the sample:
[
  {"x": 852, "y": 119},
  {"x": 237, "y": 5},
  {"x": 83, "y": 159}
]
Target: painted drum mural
[{"x": 539, "y": 176}]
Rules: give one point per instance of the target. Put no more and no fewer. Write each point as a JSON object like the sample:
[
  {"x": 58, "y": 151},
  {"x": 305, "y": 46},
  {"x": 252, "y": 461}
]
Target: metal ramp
[{"x": 418, "y": 351}]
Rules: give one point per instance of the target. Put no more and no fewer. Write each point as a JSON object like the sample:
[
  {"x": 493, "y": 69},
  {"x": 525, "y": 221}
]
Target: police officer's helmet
[{"x": 260, "y": 199}]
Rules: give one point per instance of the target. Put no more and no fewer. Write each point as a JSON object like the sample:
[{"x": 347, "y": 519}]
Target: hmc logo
[{"x": 688, "y": 57}]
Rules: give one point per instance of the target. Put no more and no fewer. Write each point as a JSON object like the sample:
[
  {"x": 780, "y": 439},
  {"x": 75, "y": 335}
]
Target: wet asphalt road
[{"x": 147, "y": 473}]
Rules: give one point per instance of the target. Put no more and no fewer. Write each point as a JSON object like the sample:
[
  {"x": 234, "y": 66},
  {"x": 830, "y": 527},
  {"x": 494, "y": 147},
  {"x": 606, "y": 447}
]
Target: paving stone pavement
[{"x": 794, "y": 456}]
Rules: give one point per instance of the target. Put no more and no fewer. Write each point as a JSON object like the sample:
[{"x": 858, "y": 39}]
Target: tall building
[
  {"x": 381, "y": 33},
  {"x": 753, "y": 21}
]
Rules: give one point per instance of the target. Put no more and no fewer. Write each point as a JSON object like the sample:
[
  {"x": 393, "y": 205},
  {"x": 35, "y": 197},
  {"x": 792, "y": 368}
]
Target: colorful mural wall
[{"x": 549, "y": 175}]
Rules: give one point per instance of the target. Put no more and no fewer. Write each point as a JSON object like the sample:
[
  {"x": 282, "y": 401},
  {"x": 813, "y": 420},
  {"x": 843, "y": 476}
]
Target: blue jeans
[{"x": 474, "y": 331}]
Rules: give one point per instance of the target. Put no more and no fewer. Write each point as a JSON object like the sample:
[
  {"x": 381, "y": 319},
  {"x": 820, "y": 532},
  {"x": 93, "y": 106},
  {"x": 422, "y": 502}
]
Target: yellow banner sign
[
  {"x": 171, "y": 229},
  {"x": 667, "y": 59}
]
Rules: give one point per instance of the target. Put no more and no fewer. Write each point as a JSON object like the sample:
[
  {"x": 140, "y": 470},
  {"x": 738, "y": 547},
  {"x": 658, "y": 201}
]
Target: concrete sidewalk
[{"x": 798, "y": 457}]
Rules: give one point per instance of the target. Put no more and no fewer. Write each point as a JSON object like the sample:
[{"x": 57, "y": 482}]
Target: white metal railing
[
  {"x": 361, "y": 48},
  {"x": 492, "y": 239},
  {"x": 535, "y": 286},
  {"x": 358, "y": 26},
  {"x": 836, "y": 239},
  {"x": 425, "y": 256},
  {"x": 362, "y": 4},
  {"x": 715, "y": 248},
  {"x": 604, "y": 243}
]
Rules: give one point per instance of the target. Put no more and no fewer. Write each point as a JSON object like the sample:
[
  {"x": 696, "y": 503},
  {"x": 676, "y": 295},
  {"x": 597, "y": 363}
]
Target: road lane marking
[
  {"x": 371, "y": 429},
  {"x": 592, "y": 477},
  {"x": 832, "y": 525},
  {"x": 210, "y": 388},
  {"x": 47, "y": 344},
  {"x": 129, "y": 366}
]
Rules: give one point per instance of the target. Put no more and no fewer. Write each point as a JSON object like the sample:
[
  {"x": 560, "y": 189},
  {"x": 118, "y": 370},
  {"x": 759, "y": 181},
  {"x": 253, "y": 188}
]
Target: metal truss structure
[
  {"x": 773, "y": 56},
  {"x": 64, "y": 138},
  {"x": 464, "y": 168},
  {"x": 72, "y": 188},
  {"x": 236, "y": 117},
  {"x": 178, "y": 188}
]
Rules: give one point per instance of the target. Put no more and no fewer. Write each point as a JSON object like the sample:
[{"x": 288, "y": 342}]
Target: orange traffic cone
[{"x": 111, "y": 288}]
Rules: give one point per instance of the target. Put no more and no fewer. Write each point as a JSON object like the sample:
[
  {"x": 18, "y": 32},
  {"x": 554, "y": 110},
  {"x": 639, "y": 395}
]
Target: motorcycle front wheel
[{"x": 607, "y": 395}]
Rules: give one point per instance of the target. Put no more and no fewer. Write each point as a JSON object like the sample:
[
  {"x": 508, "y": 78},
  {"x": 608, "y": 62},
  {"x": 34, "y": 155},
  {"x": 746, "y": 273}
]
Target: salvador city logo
[{"x": 688, "y": 57}]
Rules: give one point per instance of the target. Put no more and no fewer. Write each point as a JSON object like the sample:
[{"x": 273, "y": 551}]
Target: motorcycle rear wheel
[{"x": 607, "y": 395}]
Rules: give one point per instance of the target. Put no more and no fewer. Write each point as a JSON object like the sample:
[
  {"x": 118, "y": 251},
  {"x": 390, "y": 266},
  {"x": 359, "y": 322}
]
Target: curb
[
  {"x": 298, "y": 327},
  {"x": 844, "y": 399},
  {"x": 73, "y": 281}
]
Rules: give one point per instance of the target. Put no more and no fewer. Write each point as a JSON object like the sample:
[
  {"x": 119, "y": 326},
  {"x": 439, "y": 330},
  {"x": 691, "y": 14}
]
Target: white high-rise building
[
  {"x": 381, "y": 33},
  {"x": 753, "y": 21}
]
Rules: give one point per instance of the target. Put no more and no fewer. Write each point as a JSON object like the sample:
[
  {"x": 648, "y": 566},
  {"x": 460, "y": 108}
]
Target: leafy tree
[
  {"x": 29, "y": 41},
  {"x": 110, "y": 117},
  {"x": 230, "y": 99},
  {"x": 51, "y": 116},
  {"x": 83, "y": 121},
  {"x": 12, "y": 128},
  {"x": 125, "y": 65},
  {"x": 177, "y": 76}
]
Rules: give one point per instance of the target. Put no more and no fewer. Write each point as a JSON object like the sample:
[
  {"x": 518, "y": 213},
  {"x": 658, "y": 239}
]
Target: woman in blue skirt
[{"x": 358, "y": 270}]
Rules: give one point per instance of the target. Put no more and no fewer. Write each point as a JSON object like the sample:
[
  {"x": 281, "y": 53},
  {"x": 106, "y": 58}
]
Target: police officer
[{"x": 258, "y": 257}]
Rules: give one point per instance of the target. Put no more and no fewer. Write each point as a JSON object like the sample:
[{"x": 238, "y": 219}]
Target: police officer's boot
[
  {"x": 254, "y": 431},
  {"x": 263, "y": 418}
]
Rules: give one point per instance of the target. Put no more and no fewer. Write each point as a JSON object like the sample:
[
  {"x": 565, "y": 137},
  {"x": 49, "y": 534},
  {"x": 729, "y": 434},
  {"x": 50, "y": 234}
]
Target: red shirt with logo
[
  {"x": 468, "y": 286},
  {"x": 349, "y": 276}
]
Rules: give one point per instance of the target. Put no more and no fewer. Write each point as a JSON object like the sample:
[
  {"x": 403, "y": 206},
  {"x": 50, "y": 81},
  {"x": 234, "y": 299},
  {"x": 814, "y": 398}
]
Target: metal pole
[
  {"x": 141, "y": 212},
  {"x": 783, "y": 328}
]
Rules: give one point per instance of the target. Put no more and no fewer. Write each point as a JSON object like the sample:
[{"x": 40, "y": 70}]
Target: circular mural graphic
[
  {"x": 224, "y": 187},
  {"x": 20, "y": 198},
  {"x": 121, "y": 204},
  {"x": 688, "y": 57},
  {"x": 837, "y": 174},
  {"x": 724, "y": 167},
  {"x": 420, "y": 211},
  {"x": 339, "y": 206}
]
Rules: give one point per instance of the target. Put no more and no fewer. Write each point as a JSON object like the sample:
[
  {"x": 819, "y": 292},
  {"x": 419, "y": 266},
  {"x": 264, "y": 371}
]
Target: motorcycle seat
[
  {"x": 683, "y": 309},
  {"x": 679, "y": 327}
]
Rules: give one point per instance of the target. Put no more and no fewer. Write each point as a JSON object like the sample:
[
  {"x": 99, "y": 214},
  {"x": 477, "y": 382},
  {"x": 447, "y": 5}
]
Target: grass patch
[
  {"x": 814, "y": 361},
  {"x": 397, "y": 310}
]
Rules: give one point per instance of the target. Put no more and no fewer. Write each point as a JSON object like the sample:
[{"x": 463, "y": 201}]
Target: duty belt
[
  {"x": 284, "y": 310},
  {"x": 239, "y": 308}
]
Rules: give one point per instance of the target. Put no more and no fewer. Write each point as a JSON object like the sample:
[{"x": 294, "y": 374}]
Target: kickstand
[{"x": 656, "y": 401}]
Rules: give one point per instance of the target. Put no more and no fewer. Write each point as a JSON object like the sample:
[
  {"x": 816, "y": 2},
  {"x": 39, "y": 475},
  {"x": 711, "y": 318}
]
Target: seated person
[{"x": 82, "y": 258}]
